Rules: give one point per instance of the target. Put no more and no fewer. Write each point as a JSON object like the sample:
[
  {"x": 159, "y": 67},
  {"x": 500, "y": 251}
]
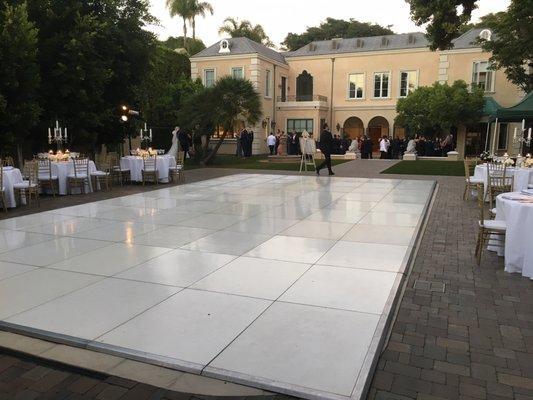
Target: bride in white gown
[{"x": 174, "y": 149}]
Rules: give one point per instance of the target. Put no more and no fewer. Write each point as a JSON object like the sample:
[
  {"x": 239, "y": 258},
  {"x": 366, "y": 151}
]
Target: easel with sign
[{"x": 308, "y": 150}]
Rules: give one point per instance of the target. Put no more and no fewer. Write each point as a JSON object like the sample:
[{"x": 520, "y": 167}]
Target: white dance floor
[{"x": 276, "y": 281}]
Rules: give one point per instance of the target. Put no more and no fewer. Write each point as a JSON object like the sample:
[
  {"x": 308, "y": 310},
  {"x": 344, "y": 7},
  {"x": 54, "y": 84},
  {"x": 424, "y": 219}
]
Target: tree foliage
[
  {"x": 438, "y": 108},
  {"x": 444, "y": 19},
  {"x": 245, "y": 28},
  {"x": 19, "y": 75},
  {"x": 193, "y": 45},
  {"x": 511, "y": 44},
  {"x": 334, "y": 28}
]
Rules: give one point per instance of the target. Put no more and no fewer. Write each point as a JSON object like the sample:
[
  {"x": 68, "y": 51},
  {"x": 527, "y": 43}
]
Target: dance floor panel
[{"x": 281, "y": 282}]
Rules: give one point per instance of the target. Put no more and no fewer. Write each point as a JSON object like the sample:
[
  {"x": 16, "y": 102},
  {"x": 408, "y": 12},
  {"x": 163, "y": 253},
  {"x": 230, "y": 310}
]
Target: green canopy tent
[{"x": 521, "y": 112}]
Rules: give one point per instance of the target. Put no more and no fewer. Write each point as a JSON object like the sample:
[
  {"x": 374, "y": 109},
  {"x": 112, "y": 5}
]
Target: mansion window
[
  {"x": 381, "y": 85},
  {"x": 482, "y": 76},
  {"x": 209, "y": 77},
  {"x": 237, "y": 72},
  {"x": 408, "y": 82},
  {"x": 299, "y": 125},
  {"x": 267, "y": 83},
  {"x": 356, "y": 86}
]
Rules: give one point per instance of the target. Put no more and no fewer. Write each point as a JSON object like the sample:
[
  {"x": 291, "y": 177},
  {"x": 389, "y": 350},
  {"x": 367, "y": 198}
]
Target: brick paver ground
[{"x": 465, "y": 332}]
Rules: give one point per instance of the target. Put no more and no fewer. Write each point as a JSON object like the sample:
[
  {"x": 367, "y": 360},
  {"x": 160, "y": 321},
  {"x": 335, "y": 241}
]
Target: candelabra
[
  {"x": 521, "y": 139},
  {"x": 146, "y": 134},
  {"x": 60, "y": 135}
]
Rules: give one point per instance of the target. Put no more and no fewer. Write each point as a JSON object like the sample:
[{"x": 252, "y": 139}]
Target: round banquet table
[
  {"x": 10, "y": 177},
  {"x": 135, "y": 165},
  {"x": 62, "y": 169},
  {"x": 518, "y": 216},
  {"x": 522, "y": 176}
]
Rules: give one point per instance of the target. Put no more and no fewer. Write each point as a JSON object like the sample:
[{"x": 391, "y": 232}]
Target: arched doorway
[
  {"x": 304, "y": 87},
  {"x": 353, "y": 127},
  {"x": 377, "y": 127}
]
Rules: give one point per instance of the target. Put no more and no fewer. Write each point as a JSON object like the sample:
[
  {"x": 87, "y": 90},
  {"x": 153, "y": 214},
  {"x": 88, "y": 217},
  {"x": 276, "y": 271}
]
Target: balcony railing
[{"x": 313, "y": 97}]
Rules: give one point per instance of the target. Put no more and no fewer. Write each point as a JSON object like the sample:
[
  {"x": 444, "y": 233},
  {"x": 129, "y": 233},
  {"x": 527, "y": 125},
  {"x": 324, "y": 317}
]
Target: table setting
[
  {"x": 521, "y": 169},
  {"x": 516, "y": 209},
  {"x": 135, "y": 162}
]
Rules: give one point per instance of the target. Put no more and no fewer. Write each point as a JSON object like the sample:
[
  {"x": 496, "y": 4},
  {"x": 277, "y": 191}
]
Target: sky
[{"x": 279, "y": 17}]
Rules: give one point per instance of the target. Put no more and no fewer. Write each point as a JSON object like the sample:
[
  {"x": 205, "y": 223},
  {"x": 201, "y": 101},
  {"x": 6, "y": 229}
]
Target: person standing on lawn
[
  {"x": 271, "y": 143},
  {"x": 326, "y": 141}
]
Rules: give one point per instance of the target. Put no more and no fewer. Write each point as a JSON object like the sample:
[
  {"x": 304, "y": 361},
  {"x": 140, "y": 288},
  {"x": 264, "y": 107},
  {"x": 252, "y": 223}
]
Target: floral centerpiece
[
  {"x": 528, "y": 162},
  {"x": 486, "y": 156}
]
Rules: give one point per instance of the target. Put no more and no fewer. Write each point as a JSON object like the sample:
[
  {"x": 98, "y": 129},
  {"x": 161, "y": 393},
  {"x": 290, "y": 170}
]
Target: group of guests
[
  {"x": 434, "y": 147},
  {"x": 274, "y": 142},
  {"x": 245, "y": 139}
]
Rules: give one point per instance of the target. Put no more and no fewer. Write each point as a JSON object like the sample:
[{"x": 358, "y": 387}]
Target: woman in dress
[{"x": 174, "y": 149}]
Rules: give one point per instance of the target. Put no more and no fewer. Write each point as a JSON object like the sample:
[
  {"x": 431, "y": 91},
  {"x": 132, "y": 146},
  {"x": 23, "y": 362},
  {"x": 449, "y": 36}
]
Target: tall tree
[
  {"x": 183, "y": 9},
  {"x": 445, "y": 19},
  {"x": 175, "y": 43},
  {"x": 334, "y": 28},
  {"x": 245, "y": 28},
  {"x": 438, "y": 108},
  {"x": 232, "y": 99},
  {"x": 511, "y": 44},
  {"x": 19, "y": 76},
  {"x": 199, "y": 9}
]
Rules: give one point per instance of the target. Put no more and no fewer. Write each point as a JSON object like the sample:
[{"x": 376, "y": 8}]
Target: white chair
[
  {"x": 489, "y": 229},
  {"x": 46, "y": 179},
  {"x": 29, "y": 188},
  {"x": 79, "y": 176}
]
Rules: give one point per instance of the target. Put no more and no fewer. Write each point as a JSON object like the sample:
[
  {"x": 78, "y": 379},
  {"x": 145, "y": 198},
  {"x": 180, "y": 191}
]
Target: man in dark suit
[
  {"x": 326, "y": 141},
  {"x": 184, "y": 141}
]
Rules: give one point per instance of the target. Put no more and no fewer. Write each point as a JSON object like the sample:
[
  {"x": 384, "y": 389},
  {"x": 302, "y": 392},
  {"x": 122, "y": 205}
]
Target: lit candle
[
  {"x": 57, "y": 123},
  {"x": 66, "y": 134},
  {"x": 145, "y": 126},
  {"x": 523, "y": 125},
  {"x": 141, "y": 131},
  {"x": 49, "y": 136},
  {"x": 151, "y": 134},
  {"x": 515, "y": 135},
  {"x": 529, "y": 134}
]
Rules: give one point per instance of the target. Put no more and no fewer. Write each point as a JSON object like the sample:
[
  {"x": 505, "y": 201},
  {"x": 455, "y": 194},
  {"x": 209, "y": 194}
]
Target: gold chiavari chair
[
  {"x": 498, "y": 181},
  {"x": 3, "y": 198},
  {"x": 102, "y": 177},
  {"x": 8, "y": 161},
  {"x": 471, "y": 183},
  {"x": 46, "y": 179},
  {"x": 118, "y": 174},
  {"x": 489, "y": 229},
  {"x": 177, "y": 172},
  {"x": 79, "y": 176},
  {"x": 149, "y": 171},
  {"x": 28, "y": 189}
]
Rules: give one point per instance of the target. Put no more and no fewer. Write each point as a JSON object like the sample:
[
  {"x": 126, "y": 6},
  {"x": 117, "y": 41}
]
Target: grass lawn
[
  {"x": 427, "y": 167},
  {"x": 254, "y": 162}
]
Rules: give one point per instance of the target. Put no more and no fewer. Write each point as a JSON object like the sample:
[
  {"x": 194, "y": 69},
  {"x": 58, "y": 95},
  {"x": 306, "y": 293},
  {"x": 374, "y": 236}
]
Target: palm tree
[
  {"x": 198, "y": 9},
  {"x": 184, "y": 9},
  {"x": 245, "y": 28}
]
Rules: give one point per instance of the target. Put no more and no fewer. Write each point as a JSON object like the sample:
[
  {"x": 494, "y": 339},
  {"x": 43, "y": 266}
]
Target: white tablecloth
[
  {"x": 522, "y": 176},
  {"x": 10, "y": 177},
  {"x": 135, "y": 165},
  {"x": 62, "y": 169},
  {"x": 518, "y": 239}
]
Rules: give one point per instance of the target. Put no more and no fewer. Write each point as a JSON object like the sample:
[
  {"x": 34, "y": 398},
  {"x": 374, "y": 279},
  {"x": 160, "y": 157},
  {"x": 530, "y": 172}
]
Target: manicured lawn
[
  {"x": 427, "y": 167},
  {"x": 255, "y": 162}
]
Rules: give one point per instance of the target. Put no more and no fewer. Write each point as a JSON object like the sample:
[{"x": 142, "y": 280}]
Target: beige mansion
[{"x": 353, "y": 84}]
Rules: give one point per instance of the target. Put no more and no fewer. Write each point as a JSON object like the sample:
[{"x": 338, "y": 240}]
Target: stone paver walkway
[{"x": 463, "y": 333}]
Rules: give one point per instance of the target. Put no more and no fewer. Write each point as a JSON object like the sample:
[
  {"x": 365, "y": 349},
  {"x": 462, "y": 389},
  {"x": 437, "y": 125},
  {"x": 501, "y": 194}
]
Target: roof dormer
[
  {"x": 485, "y": 34},
  {"x": 224, "y": 46}
]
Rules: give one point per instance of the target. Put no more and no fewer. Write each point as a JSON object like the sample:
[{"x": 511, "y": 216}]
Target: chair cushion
[
  {"x": 48, "y": 178},
  {"x": 530, "y": 186},
  {"x": 121, "y": 169},
  {"x": 476, "y": 180},
  {"x": 494, "y": 224},
  {"x": 80, "y": 176},
  {"x": 149, "y": 170},
  {"x": 24, "y": 185},
  {"x": 493, "y": 211},
  {"x": 99, "y": 173}
]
